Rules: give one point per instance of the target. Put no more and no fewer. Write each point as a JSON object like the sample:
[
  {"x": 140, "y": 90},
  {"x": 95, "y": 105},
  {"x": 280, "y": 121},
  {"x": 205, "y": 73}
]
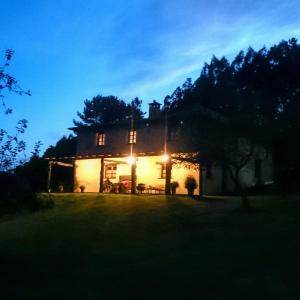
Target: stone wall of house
[
  {"x": 251, "y": 176},
  {"x": 212, "y": 180},
  {"x": 149, "y": 138}
]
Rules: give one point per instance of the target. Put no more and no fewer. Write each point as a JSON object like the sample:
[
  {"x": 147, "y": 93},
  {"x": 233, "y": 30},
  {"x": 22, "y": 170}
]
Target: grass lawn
[{"x": 92, "y": 246}]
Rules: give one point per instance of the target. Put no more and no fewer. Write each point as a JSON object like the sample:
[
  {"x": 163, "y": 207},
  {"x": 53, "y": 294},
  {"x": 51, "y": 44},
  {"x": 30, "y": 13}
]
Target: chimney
[{"x": 154, "y": 109}]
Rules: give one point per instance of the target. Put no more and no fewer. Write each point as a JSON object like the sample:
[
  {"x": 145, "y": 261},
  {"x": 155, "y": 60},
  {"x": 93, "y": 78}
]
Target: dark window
[
  {"x": 132, "y": 137},
  {"x": 257, "y": 170},
  {"x": 209, "y": 170},
  {"x": 173, "y": 133},
  {"x": 111, "y": 171},
  {"x": 100, "y": 139}
]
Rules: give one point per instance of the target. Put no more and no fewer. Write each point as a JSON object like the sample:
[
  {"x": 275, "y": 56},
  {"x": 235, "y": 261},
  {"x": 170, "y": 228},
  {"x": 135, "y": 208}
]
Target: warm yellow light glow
[
  {"x": 88, "y": 165},
  {"x": 148, "y": 172},
  {"x": 165, "y": 157},
  {"x": 130, "y": 160},
  {"x": 88, "y": 173}
]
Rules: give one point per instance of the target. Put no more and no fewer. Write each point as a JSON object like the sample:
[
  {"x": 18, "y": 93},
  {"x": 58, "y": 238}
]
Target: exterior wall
[
  {"x": 180, "y": 173},
  {"x": 247, "y": 174},
  {"x": 213, "y": 185},
  {"x": 148, "y": 172},
  {"x": 87, "y": 173},
  {"x": 150, "y": 138},
  {"x": 150, "y": 141}
]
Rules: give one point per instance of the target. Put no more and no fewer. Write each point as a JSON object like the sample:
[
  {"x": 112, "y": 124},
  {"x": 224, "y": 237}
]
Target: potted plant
[
  {"x": 82, "y": 188},
  {"x": 174, "y": 185},
  {"x": 60, "y": 188},
  {"x": 190, "y": 184},
  {"x": 141, "y": 187}
]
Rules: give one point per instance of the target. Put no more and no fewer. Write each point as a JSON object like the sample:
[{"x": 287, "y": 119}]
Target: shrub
[
  {"x": 190, "y": 184},
  {"x": 174, "y": 185},
  {"x": 141, "y": 187}
]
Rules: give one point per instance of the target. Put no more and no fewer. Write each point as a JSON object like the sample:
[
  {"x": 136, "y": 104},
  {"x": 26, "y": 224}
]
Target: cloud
[{"x": 182, "y": 51}]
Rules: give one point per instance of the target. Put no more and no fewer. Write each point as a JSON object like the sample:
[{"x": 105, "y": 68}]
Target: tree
[
  {"x": 258, "y": 92},
  {"x": 62, "y": 176},
  {"x": 11, "y": 145},
  {"x": 66, "y": 146},
  {"x": 108, "y": 110}
]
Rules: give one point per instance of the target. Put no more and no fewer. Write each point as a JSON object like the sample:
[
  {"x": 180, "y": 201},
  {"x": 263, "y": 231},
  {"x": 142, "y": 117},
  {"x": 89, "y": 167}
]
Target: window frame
[
  {"x": 132, "y": 136},
  {"x": 162, "y": 170},
  {"x": 112, "y": 174},
  {"x": 100, "y": 139}
]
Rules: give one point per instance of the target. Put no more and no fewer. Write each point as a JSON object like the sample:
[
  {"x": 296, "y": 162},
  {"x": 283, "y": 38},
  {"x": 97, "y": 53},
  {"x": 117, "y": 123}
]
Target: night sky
[{"x": 68, "y": 51}]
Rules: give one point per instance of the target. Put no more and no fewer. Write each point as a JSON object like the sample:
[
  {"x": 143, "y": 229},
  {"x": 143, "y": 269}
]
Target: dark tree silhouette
[
  {"x": 66, "y": 146},
  {"x": 108, "y": 110},
  {"x": 259, "y": 94}
]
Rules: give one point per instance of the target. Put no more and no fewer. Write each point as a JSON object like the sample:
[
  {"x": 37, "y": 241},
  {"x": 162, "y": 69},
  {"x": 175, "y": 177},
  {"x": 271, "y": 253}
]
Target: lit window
[
  {"x": 101, "y": 139},
  {"x": 132, "y": 137},
  {"x": 111, "y": 171}
]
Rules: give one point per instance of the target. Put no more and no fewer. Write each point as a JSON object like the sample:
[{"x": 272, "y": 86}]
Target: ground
[{"x": 92, "y": 246}]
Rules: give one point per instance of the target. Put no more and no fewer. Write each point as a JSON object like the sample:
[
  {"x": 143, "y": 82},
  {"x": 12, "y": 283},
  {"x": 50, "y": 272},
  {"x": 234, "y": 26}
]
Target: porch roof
[{"x": 91, "y": 156}]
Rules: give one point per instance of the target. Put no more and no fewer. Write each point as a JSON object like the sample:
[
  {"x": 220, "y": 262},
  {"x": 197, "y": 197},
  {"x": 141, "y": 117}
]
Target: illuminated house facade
[
  {"x": 131, "y": 154},
  {"x": 123, "y": 156}
]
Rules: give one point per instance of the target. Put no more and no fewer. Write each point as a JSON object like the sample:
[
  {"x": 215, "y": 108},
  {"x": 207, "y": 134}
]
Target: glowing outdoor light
[
  {"x": 131, "y": 160},
  {"x": 165, "y": 157}
]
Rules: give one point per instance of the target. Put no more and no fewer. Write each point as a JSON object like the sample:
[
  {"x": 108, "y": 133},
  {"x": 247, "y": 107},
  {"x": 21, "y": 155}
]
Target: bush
[
  {"x": 190, "y": 184},
  {"x": 174, "y": 185},
  {"x": 17, "y": 193}
]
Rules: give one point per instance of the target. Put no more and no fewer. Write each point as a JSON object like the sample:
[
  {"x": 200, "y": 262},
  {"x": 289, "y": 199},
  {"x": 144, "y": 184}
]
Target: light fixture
[
  {"x": 165, "y": 157},
  {"x": 131, "y": 160}
]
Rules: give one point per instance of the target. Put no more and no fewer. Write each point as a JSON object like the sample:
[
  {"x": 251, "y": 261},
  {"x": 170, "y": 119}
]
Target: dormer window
[
  {"x": 100, "y": 139},
  {"x": 132, "y": 137}
]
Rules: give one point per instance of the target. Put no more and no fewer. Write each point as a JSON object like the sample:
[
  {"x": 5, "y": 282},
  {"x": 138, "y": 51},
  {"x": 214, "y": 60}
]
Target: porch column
[
  {"x": 168, "y": 176},
  {"x": 133, "y": 178},
  {"x": 201, "y": 186},
  {"x": 101, "y": 175},
  {"x": 74, "y": 176},
  {"x": 49, "y": 176}
]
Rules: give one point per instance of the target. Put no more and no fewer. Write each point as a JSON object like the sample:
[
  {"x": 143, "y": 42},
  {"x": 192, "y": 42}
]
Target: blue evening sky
[{"x": 67, "y": 51}]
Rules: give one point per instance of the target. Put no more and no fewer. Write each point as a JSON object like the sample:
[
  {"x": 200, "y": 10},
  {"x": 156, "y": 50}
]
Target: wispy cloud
[{"x": 182, "y": 52}]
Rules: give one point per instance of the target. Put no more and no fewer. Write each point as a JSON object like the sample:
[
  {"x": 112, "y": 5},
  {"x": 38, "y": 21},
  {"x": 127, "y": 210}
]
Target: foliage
[
  {"x": 258, "y": 95},
  {"x": 108, "y": 110},
  {"x": 19, "y": 192},
  {"x": 11, "y": 145},
  {"x": 34, "y": 172},
  {"x": 19, "y": 180},
  {"x": 8, "y": 82},
  {"x": 66, "y": 146},
  {"x": 258, "y": 90},
  {"x": 141, "y": 187},
  {"x": 174, "y": 184},
  {"x": 190, "y": 183}
]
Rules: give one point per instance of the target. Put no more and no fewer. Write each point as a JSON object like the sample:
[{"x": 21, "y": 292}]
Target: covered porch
[{"x": 151, "y": 174}]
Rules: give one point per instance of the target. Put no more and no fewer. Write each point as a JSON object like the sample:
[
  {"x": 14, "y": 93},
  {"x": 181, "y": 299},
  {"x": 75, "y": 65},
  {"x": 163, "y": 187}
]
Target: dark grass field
[{"x": 92, "y": 246}]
